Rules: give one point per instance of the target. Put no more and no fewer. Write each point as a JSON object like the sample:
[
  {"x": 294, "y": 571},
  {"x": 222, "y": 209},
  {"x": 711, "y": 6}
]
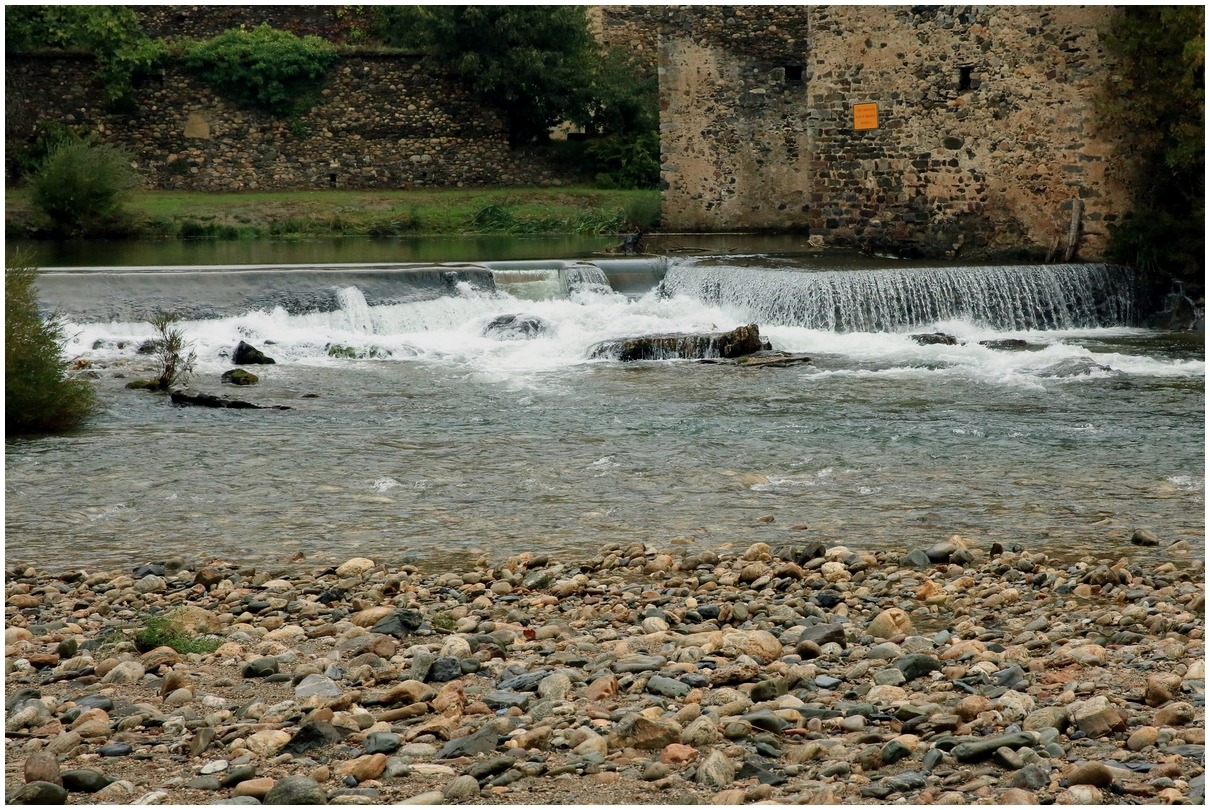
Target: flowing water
[{"x": 415, "y": 433}]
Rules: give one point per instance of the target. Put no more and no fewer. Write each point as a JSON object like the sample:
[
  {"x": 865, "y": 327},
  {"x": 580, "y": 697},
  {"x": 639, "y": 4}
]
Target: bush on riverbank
[
  {"x": 38, "y": 397},
  {"x": 79, "y": 186}
]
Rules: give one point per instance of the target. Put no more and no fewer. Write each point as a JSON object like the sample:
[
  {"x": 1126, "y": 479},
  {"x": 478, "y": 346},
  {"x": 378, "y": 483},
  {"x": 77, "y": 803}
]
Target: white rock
[{"x": 354, "y": 567}]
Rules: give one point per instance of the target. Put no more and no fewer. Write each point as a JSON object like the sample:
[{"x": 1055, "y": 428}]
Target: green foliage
[
  {"x": 112, "y": 34},
  {"x": 164, "y": 631},
  {"x": 264, "y": 67},
  {"x": 626, "y": 160},
  {"x": 643, "y": 213},
  {"x": 1155, "y": 101},
  {"x": 24, "y": 157},
  {"x": 532, "y": 62},
  {"x": 81, "y": 182},
  {"x": 173, "y": 356},
  {"x": 38, "y": 397}
]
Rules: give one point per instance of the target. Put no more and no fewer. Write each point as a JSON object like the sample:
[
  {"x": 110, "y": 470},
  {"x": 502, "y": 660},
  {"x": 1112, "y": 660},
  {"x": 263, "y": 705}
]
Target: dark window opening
[
  {"x": 793, "y": 74},
  {"x": 964, "y": 78},
  {"x": 332, "y": 179}
]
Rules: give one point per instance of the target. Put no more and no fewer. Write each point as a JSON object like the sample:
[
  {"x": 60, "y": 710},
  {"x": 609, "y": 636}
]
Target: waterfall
[
  {"x": 1056, "y": 296},
  {"x": 584, "y": 276}
]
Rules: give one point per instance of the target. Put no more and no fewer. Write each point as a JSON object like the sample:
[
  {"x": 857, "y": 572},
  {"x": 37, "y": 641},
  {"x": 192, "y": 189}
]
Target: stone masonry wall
[
  {"x": 987, "y": 128},
  {"x": 381, "y": 122}
]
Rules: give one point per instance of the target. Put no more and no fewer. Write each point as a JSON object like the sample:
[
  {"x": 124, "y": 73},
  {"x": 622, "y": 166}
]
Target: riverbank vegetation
[
  {"x": 39, "y": 397},
  {"x": 1156, "y": 101},
  {"x": 302, "y": 214}
]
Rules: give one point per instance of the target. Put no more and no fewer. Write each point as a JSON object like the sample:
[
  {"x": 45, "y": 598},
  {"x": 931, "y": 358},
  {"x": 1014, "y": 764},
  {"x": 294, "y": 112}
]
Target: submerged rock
[
  {"x": 237, "y": 376},
  {"x": 515, "y": 327},
  {"x": 744, "y": 340},
  {"x": 936, "y": 339},
  {"x": 212, "y": 401}
]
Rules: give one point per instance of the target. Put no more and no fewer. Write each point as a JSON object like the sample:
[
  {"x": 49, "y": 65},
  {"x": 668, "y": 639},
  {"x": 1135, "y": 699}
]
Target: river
[{"x": 420, "y": 438}]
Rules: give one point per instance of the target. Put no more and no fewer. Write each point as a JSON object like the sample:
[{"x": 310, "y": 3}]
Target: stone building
[{"x": 984, "y": 137}]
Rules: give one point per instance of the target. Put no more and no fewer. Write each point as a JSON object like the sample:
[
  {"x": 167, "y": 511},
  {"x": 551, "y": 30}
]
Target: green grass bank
[{"x": 299, "y": 214}]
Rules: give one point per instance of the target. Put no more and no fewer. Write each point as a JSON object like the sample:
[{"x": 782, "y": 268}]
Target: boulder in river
[
  {"x": 237, "y": 376},
  {"x": 247, "y": 355},
  {"x": 739, "y": 342},
  {"x": 515, "y": 327},
  {"x": 936, "y": 339}
]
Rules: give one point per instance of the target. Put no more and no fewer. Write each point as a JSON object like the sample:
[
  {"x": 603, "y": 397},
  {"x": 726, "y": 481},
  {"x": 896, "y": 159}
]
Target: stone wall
[
  {"x": 986, "y": 125},
  {"x": 380, "y": 122},
  {"x": 335, "y": 23}
]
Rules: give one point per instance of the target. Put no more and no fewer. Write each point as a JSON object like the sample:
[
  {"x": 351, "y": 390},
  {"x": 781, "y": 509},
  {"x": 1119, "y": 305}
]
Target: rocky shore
[{"x": 799, "y": 674}]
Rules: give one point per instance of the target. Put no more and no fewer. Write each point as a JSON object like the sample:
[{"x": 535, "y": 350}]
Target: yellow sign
[{"x": 865, "y": 116}]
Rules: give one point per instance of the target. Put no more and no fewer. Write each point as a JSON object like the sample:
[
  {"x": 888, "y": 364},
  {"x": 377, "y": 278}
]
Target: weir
[
  {"x": 1056, "y": 296},
  {"x": 93, "y": 294},
  {"x": 786, "y": 291}
]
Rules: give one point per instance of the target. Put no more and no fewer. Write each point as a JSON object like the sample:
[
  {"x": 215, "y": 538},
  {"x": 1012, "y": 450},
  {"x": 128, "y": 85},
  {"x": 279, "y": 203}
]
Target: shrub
[
  {"x": 626, "y": 160},
  {"x": 38, "y": 398},
  {"x": 173, "y": 354},
  {"x": 80, "y": 182},
  {"x": 264, "y": 67}
]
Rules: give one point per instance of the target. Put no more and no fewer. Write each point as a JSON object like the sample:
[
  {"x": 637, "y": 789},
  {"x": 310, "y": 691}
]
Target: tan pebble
[
  {"x": 257, "y": 788},
  {"x": 320, "y": 773},
  {"x": 677, "y": 754},
  {"x": 733, "y": 796},
  {"x": 606, "y": 777},
  {"x": 1017, "y": 796}
]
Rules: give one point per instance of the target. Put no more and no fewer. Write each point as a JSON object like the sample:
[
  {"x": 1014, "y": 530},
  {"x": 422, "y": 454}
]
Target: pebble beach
[{"x": 963, "y": 673}]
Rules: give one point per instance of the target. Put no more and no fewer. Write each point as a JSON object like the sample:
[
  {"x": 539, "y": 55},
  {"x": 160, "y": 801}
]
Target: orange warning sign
[{"x": 865, "y": 116}]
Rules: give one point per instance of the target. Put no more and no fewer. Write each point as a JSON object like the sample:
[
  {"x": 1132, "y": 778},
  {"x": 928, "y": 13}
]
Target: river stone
[
  {"x": 1176, "y": 714},
  {"x": 316, "y": 684},
  {"x": 312, "y": 735},
  {"x": 766, "y": 721},
  {"x": 639, "y": 663},
  {"x": 526, "y": 682},
  {"x": 637, "y": 731},
  {"x": 382, "y": 742},
  {"x": 555, "y": 686},
  {"x": 823, "y": 634},
  {"x": 42, "y": 766},
  {"x": 296, "y": 790},
  {"x": 84, "y": 780},
  {"x": 981, "y": 749},
  {"x": 1031, "y": 777},
  {"x": 1096, "y": 717},
  {"x": 119, "y": 749},
  {"x": 444, "y": 669},
  {"x": 400, "y": 624},
  {"x": 916, "y": 558},
  {"x": 462, "y": 787},
  {"x": 240, "y": 773},
  {"x": 38, "y": 793},
  {"x": 203, "y": 783},
  {"x": 268, "y": 742},
  {"x": 917, "y": 666},
  {"x": 260, "y": 668},
  {"x": 483, "y": 741},
  {"x": 125, "y": 672},
  {"x": 233, "y": 800},
  {"x": 1091, "y": 773},
  {"x": 514, "y": 326},
  {"x": 890, "y": 622},
  {"x": 506, "y": 700},
  {"x": 668, "y": 687},
  {"x": 715, "y": 771},
  {"x": 431, "y": 797}
]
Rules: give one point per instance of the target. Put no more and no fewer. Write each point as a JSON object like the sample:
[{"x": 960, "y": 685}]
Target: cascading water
[{"x": 1059, "y": 296}]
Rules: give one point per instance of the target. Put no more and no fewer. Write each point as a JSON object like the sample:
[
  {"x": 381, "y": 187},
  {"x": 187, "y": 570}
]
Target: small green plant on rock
[
  {"x": 174, "y": 356},
  {"x": 164, "y": 631}
]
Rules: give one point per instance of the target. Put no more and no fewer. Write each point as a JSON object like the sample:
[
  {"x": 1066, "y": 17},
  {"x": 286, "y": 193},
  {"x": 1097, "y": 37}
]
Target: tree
[
  {"x": 535, "y": 63},
  {"x": 1155, "y": 101},
  {"x": 38, "y": 396}
]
